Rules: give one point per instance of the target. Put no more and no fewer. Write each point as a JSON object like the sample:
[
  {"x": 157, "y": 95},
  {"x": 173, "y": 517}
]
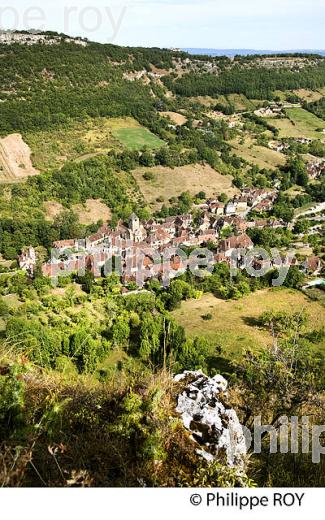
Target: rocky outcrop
[{"x": 213, "y": 425}]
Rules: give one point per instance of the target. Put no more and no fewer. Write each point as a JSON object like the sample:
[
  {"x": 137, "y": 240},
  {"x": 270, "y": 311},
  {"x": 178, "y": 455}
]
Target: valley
[{"x": 150, "y": 200}]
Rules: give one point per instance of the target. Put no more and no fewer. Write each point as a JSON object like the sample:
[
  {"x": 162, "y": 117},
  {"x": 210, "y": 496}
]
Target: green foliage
[
  {"x": 317, "y": 108},
  {"x": 12, "y": 390},
  {"x": 255, "y": 83},
  {"x": 278, "y": 380},
  {"x": 294, "y": 278},
  {"x": 216, "y": 475}
]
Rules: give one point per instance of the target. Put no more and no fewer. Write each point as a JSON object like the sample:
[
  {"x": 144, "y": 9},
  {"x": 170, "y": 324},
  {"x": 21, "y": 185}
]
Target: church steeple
[{"x": 134, "y": 223}]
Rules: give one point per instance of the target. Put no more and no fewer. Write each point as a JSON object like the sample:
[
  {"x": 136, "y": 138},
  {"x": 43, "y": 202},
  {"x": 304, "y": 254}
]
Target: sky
[{"x": 215, "y": 24}]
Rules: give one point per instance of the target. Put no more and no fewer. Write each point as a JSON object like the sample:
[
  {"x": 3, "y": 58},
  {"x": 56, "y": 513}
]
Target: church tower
[{"x": 134, "y": 223}]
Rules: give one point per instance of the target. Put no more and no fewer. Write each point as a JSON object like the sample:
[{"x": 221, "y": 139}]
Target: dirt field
[
  {"x": 175, "y": 117},
  {"x": 232, "y": 325},
  {"x": 170, "y": 182},
  {"x": 15, "y": 159},
  {"x": 89, "y": 213},
  {"x": 92, "y": 212}
]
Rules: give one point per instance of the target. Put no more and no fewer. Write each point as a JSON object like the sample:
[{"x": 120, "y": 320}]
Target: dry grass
[
  {"x": 206, "y": 101},
  {"x": 89, "y": 213},
  {"x": 170, "y": 182},
  {"x": 175, "y": 117},
  {"x": 51, "y": 149},
  {"x": 260, "y": 155},
  {"x": 15, "y": 159},
  {"x": 92, "y": 211},
  {"x": 80, "y": 141},
  {"x": 233, "y": 325},
  {"x": 240, "y": 102},
  {"x": 12, "y": 300},
  {"x": 308, "y": 95},
  {"x": 299, "y": 123},
  {"x": 52, "y": 209}
]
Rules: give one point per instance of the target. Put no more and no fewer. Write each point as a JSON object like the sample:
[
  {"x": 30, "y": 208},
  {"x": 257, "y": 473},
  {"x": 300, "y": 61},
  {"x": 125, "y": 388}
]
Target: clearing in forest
[
  {"x": 171, "y": 182},
  {"x": 92, "y": 211},
  {"x": 263, "y": 156},
  {"x": 89, "y": 213},
  {"x": 308, "y": 95},
  {"x": 175, "y": 117},
  {"x": 132, "y": 135},
  {"x": 89, "y": 138}
]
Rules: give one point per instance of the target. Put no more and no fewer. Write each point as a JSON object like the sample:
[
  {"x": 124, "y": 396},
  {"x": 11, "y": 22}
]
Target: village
[{"x": 141, "y": 251}]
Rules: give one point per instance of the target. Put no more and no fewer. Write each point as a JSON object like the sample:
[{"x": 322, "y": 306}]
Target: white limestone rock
[{"x": 213, "y": 425}]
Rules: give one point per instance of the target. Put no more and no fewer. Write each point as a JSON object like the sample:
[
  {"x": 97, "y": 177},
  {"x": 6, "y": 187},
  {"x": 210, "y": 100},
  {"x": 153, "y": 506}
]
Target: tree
[
  {"x": 294, "y": 278},
  {"x": 223, "y": 197},
  {"x": 279, "y": 379},
  {"x": 283, "y": 211},
  {"x": 85, "y": 350},
  {"x": 301, "y": 226},
  {"x": 193, "y": 355}
]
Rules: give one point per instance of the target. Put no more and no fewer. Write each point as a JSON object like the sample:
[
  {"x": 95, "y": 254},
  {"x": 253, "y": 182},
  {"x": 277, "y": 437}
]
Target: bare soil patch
[
  {"x": 175, "y": 117},
  {"x": 92, "y": 211},
  {"x": 15, "y": 159}
]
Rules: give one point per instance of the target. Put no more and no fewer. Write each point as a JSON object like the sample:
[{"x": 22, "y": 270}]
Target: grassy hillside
[
  {"x": 87, "y": 396},
  {"x": 299, "y": 123},
  {"x": 234, "y": 324}
]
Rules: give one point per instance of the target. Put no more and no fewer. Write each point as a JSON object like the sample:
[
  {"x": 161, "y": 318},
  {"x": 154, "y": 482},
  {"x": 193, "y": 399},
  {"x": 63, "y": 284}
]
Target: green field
[
  {"x": 299, "y": 123},
  {"x": 137, "y": 138},
  {"x": 80, "y": 141},
  {"x": 233, "y": 325},
  {"x": 241, "y": 103}
]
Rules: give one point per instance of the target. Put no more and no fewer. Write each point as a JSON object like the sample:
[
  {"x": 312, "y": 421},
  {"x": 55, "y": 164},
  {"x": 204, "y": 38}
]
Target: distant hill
[
  {"x": 49, "y": 80},
  {"x": 249, "y": 52}
]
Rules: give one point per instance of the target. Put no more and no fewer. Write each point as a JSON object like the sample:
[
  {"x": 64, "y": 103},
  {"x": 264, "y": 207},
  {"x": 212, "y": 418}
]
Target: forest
[{"x": 255, "y": 83}]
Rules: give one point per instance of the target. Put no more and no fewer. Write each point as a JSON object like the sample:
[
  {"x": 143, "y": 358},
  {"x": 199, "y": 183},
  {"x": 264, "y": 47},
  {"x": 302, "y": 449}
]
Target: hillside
[{"x": 107, "y": 152}]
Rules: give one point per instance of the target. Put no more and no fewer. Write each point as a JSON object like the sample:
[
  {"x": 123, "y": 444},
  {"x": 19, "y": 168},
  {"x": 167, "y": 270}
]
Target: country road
[{"x": 315, "y": 209}]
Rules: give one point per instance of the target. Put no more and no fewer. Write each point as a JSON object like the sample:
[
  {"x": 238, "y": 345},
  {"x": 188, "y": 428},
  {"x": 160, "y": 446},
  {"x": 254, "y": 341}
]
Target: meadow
[
  {"x": 137, "y": 138},
  {"x": 78, "y": 141},
  {"x": 234, "y": 325},
  {"x": 299, "y": 123},
  {"x": 171, "y": 182},
  {"x": 261, "y": 155}
]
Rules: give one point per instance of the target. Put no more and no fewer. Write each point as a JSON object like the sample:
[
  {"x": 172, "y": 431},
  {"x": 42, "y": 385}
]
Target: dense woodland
[
  {"x": 255, "y": 83},
  {"x": 317, "y": 108}
]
